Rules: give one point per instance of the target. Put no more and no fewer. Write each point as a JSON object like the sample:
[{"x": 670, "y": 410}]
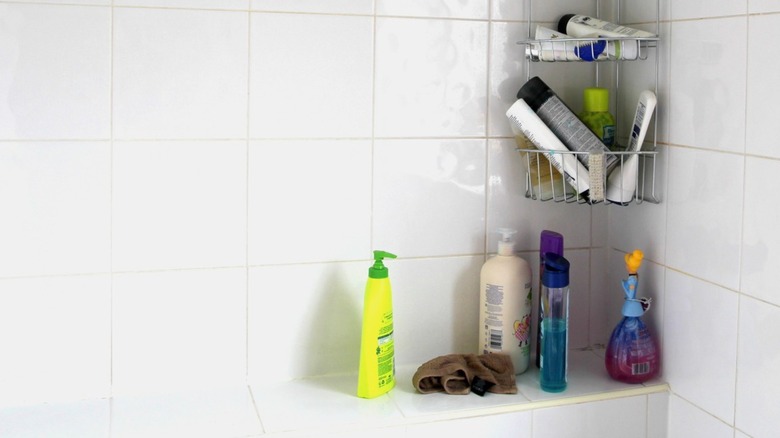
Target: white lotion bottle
[
  {"x": 505, "y": 304},
  {"x": 622, "y": 182}
]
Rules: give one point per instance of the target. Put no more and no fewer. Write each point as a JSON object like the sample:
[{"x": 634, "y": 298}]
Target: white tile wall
[
  {"x": 330, "y": 217},
  {"x": 55, "y": 333},
  {"x": 626, "y": 418},
  {"x": 325, "y": 90},
  {"x": 144, "y": 144},
  {"x": 707, "y": 74},
  {"x": 179, "y": 74},
  {"x": 705, "y": 214},
  {"x": 757, "y": 383},
  {"x": 477, "y": 9},
  {"x": 55, "y": 77},
  {"x": 761, "y": 92},
  {"x": 179, "y": 204},
  {"x": 688, "y": 421},
  {"x": 701, "y": 369},
  {"x": 178, "y": 329},
  {"x": 87, "y": 419},
  {"x": 421, "y": 95},
  {"x": 57, "y": 199},
  {"x": 505, "y": 425},
  {"x": 451, "y": 174}
]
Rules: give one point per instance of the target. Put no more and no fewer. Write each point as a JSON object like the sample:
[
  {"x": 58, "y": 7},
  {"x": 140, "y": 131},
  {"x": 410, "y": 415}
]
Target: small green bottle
[{"x": 596, "y": 115}]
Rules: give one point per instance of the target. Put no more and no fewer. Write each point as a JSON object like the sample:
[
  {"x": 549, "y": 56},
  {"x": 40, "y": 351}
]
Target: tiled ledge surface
[{"x": 303, "y": 407}]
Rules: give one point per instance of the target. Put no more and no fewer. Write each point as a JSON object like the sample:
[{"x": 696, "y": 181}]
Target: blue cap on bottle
[{"x": 556, "y": 271}]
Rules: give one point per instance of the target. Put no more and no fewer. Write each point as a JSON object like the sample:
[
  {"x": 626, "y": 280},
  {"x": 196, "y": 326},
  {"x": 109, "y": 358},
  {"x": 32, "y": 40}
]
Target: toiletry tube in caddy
[
  {"x": 565, "y": 48},
  {"x": 526, "y": 120},
  {"x": 621, "y": 183},
  {"x": 583, "y": 26},
  {"x": 562, "y": 121}
]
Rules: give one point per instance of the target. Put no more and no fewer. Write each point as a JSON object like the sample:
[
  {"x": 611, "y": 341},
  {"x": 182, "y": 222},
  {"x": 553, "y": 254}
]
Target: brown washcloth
[{"x": 454, "y": 373}]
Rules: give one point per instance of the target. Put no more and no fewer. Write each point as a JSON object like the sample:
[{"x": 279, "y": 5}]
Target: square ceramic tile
[
  {"x": 476, "y": 9},
  {"x": 323, "y": 404},
  {"x": 241, "y": 5},
  {"x": 755, "y": 6},
  {"x": 699, "y": 360},
  {"x": 507, "y": 73},
  {"x": 552, "y": 11},
  {"x": 309, "y": 201},
  {"x": 179, "y": 329},
  {"x": 508, "y": 10},
  {"x": 60, "y": 197},
  {"x": 322, "y": 336},
  {"x": 658, "y": 415},
  {"x": 430, "y": 182},
  {"x": 431, "y": 78},
  {"x": 440, "y": 407},
  {"x": 688, "y": 420},
  {"x": 508, "y": 206},
  {"x": 704, "y": 9},
  {"x": 55, "y": 333},
  {"x": 87, "y": 419},
  {"x": 324, "y": 90},
  {"x": 435, "y": 307},
  {"x": 315, "y": 6},
  {"x": 225, "y": 412},
  {"x": 496, "y": 426},
  {"x": 758, "y": 385},
  {"x": 620, "y": 418},
  {"x": 180, "y": 74},
  {"x": 633, "y": 12},
  {"x": 761, "y": 238},
  {"x": 705, "y": 196},
  {"x": 54, "y": 82},
  {"x": 179, "y": 204},
  {"x": 761, "y": 91},
  {"x": 707, "y": 104}
]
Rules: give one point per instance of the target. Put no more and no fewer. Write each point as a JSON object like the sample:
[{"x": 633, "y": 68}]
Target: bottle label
[
  {"x": 385, "y": 352},
  {"x": 571, "y": 131}
]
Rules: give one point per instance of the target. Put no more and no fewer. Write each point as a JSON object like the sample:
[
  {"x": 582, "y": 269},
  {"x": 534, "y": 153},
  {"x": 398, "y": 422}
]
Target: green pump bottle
[{"x": 376, "y": 375}]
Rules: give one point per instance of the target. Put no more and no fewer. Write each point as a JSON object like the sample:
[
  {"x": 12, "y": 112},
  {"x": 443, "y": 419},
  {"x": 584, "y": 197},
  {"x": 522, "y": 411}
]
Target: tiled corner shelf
[{"x": 307, "y": 406}]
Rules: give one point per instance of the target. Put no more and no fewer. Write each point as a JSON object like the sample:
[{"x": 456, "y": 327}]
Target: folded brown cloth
[{"x": 455, "y": 373}]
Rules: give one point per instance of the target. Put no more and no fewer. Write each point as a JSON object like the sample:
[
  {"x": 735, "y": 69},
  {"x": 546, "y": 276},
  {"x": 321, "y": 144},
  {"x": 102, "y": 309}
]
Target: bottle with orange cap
[{"x": 632, "y": 353}]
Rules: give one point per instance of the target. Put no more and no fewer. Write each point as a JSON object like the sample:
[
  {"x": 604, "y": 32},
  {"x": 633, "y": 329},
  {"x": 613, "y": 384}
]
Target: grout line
[
  {"x": 111, "y": 208},
  {"x": 247, "y": 200},
  {"x": 372, "y": 153}
]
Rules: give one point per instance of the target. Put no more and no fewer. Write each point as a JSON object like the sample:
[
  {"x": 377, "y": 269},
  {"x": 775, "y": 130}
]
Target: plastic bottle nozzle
[
  {"x": 633, "y": 261},
  {"x": 506, "y": 245},
  {"x": 379, "y": 270}
]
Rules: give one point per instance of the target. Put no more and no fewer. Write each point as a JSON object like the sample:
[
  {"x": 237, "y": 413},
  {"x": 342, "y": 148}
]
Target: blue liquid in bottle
[{"x": 553, "y": 363}]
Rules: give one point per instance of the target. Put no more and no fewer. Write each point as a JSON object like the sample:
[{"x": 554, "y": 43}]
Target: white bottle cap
[{"x": 506, "y": 246}]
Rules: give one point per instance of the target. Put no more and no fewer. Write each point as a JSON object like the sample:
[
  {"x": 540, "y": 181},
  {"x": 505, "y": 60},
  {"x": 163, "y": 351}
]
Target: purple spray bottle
[{"x": 632, "y": 353}]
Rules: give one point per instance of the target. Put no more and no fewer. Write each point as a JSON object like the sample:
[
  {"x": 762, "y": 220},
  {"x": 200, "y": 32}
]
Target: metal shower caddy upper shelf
[{"x": 567, "y": 49}]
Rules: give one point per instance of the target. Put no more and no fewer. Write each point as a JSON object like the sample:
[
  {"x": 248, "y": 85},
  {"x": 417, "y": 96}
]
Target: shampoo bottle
[
  {"x": 596, "y": 115},
  {"x": 549, "y": 242},
  {"x": 632, "y": 353},
  {"x": 554, "y": 362},
  {"x": 376, "y": 375},
  {"x": 505, "y": 304}
]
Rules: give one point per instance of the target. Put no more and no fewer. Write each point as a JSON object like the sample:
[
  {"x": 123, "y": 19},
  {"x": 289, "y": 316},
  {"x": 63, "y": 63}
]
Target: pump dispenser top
[{"x": 379, "y": 270}]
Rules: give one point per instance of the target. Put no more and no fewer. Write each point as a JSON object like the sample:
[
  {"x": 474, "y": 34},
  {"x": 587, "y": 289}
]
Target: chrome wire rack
[{"x": 590, "y": 185}]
